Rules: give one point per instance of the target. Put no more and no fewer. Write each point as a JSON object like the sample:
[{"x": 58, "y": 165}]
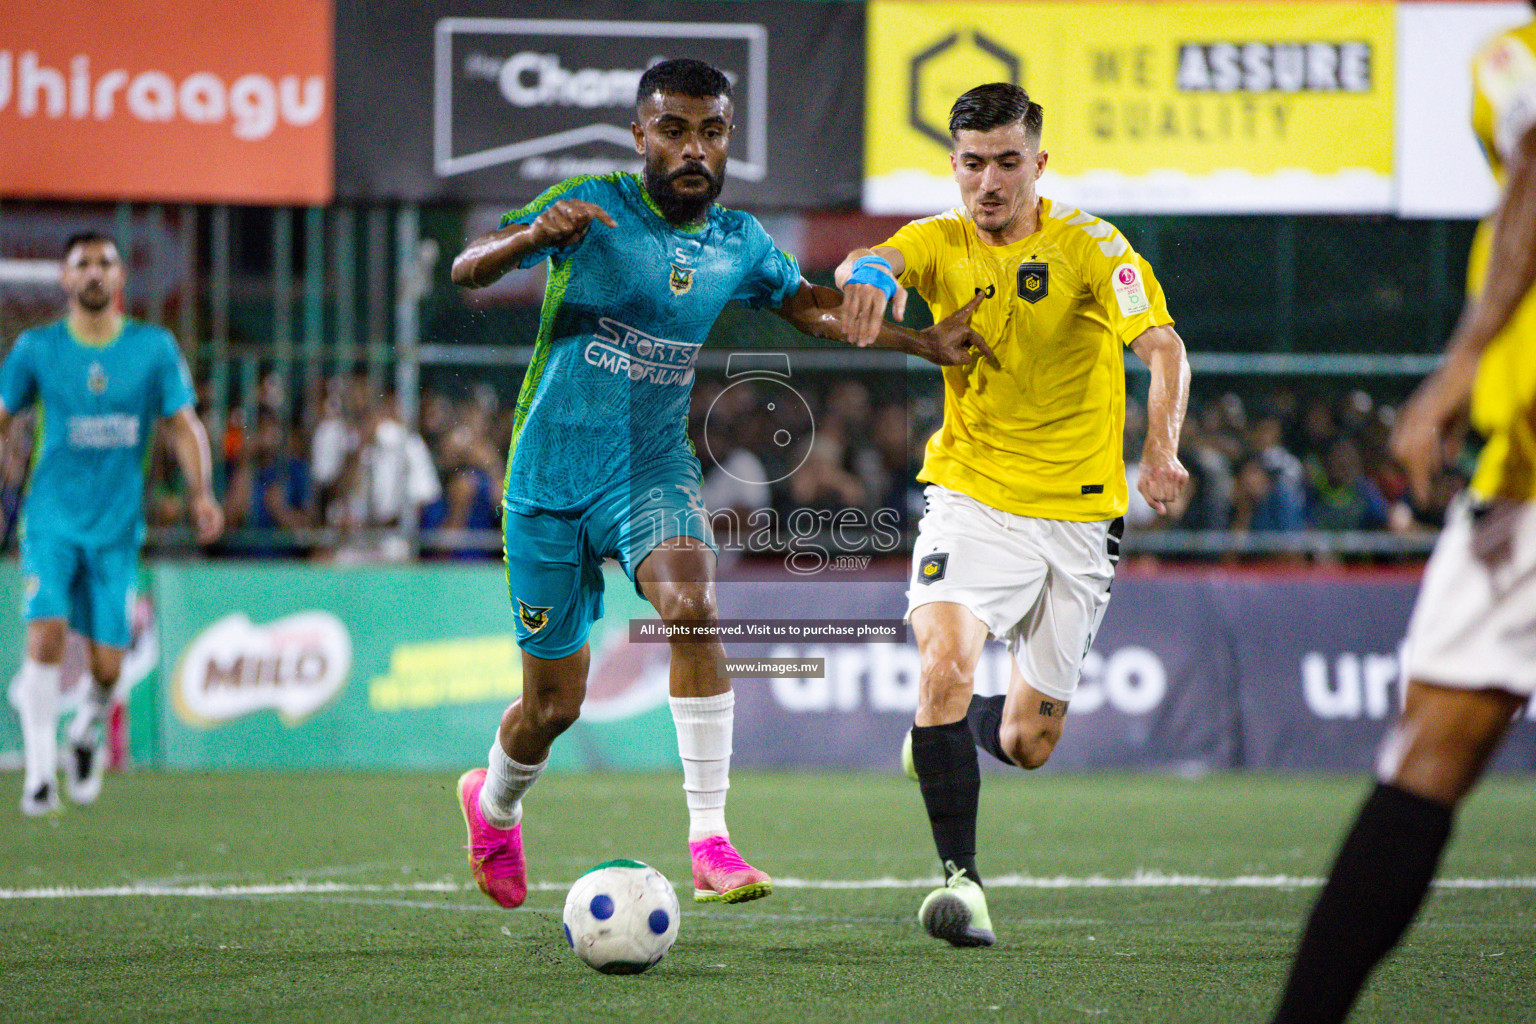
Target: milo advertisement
[{"x": 381, "y": 667}]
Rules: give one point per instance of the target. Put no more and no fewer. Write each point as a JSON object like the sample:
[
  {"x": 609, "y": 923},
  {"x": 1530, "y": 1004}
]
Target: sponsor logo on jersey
[
  {"x": 932, "y": 567},
  {"x": 629, "y": 352},
  {"x": 1130, "y": 292},
  {"x": 680, "y": 280},
  {"x": 1034, "y": 281},
  {"x": 96, "y": 379},
  {"x": 111, "y": 430},
  {"x": 533, "y": 619}
]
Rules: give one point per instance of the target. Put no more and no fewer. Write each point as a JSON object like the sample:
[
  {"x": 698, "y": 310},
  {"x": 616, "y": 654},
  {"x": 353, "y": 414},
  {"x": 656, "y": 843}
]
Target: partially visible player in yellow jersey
[
  {"x": 1021, "y": 529},
  {"x": 1470, "y": 655}
]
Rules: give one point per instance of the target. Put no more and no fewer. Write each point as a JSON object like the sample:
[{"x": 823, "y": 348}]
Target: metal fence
[{"x": 271, "y": 303}]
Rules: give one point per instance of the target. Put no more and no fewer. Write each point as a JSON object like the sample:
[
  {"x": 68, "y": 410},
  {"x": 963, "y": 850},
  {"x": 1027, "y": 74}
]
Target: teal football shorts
[
  {"x": 89, "y": 586},
  {"x": 555, "y": 559}
]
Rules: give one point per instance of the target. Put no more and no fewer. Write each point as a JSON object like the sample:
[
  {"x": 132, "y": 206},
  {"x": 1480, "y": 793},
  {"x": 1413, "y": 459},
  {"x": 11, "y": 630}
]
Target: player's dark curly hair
[
  {"x": 994, "y": 105},
  {"x": 86, "y": 238},
  {"x": 683, "y": 76}
]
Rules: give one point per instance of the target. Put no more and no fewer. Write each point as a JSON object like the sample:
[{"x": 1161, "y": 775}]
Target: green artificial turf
[{"x": 403, "y": 936}]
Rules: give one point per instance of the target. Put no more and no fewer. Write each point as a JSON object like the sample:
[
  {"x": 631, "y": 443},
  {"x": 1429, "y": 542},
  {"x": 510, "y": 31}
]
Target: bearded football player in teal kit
[
  {"x": 600, "y": 465},
  {"x": 100, "y": 382}
]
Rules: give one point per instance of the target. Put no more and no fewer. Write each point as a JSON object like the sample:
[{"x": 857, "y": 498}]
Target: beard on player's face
[
  {"x": 93, "y": 296},
  {"x": 682, "y": 207}
]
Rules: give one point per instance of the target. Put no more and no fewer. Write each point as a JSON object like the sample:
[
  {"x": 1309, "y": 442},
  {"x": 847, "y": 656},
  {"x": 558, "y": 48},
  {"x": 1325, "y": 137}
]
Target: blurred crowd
[
  {"x": 354, "y": 483},
  {"x": 343, "y": 477},
  {"x": 1272, "y": 459},
  {"x": 1288, "y": 459}
]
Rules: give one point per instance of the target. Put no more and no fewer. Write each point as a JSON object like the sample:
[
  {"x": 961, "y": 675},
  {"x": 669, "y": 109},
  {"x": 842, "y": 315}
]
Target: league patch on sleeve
[
  {"x": 1130, "y": 290},
  {"x": 931, "y": 568},
  {"x": 1506, "y": 73}
]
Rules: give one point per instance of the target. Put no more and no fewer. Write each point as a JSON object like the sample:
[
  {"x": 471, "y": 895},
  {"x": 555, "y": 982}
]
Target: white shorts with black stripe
[{"x": 1039, "y": 585}]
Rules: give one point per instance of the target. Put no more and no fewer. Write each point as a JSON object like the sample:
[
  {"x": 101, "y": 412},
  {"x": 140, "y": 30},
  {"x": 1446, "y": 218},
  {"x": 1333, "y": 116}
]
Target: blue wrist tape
[{"x": 876, "y": 271}]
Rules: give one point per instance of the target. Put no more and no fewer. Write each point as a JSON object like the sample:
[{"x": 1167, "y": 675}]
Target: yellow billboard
[{"x": 1167, "y": 107}]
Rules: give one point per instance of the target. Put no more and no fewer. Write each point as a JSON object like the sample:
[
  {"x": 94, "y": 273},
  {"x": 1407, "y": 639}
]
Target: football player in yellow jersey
[
  {"x": 1470, "y": 656},
  {"x": 1026, "y": 479}
]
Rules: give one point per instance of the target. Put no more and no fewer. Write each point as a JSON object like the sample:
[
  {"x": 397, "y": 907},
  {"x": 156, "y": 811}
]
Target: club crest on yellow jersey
[
  {"x": 532, "y": 619},
  {"x": 680, "y": 280},
  {"x": 1034, "y": 281}
]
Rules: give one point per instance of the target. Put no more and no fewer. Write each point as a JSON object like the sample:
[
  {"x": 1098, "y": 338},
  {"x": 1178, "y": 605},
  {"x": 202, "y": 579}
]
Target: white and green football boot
[{"x": 957, "y": 912}]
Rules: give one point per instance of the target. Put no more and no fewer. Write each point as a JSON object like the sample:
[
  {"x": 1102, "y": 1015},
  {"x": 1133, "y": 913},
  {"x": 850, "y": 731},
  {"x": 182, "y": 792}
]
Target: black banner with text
[{"x": 464, "y": 101}]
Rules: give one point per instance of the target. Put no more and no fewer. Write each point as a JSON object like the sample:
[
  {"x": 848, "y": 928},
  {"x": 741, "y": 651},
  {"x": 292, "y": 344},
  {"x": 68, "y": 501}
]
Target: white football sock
[
  {"x": 37, "y": 706},
  {"x": 506, "y": 780},
  {"x": 82, "y": 730},
  {"x": 704, "y": 744}
]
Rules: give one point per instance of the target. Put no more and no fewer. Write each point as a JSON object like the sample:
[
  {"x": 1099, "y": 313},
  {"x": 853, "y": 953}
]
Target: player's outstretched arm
[
  {"x": 487, "y": 258},
  {"x": 189, "y": 442},
  {"x": 818, "y": 311},
  {"x": 1163, "y": 476},
  {"x": 869, "y": 280},
  {"x": 1417, "y": 439}
]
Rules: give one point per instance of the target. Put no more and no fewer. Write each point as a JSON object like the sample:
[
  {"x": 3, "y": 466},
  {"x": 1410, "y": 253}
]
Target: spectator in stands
[
  {"x": 1266, "y": 443},
  {"x": 1207, "y": 452},
  {"x": 269, "y": 488},
  {"x": 1265, "y": 499},
  {"x": 471, "y": 496},
  {"x": 900, "y": 451},
  {"x": 388, "y": 480},
  {"x": 726, "y": 426},
  {"x": 334, "y": 446},
  {"x": 1315, "y": 433},
  {"x": 435, "y": 418},
  {"x": 1341, "y": 496},
  {"x": 821, "y": 480}
]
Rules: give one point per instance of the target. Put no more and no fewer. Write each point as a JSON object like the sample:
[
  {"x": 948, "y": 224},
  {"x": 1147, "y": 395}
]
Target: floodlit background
[{"x": 289, "y": 186}]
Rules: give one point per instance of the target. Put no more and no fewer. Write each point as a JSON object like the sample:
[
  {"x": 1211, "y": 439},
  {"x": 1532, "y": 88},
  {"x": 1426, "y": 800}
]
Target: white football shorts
[
  {"x": 1039, "y": 585},
  {"x": 1474, "y": 623}
]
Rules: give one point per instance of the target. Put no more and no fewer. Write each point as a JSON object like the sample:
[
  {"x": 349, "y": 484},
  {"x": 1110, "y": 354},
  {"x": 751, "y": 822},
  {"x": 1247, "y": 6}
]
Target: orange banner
[{"x": 226, "y": 101}]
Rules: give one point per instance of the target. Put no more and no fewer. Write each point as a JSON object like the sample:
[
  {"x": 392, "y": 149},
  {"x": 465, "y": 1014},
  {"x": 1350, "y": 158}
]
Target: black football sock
[
  {"x": 950, "y": 778},
  {"x": 985, "y": 719},
  {"x": 1373, "y": 892}
]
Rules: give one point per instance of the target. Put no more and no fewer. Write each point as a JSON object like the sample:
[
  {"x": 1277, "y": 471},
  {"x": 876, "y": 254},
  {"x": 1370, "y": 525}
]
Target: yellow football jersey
[
  {"x": 1042, "y": 435},
  {"x": 1504, "y": 396}
]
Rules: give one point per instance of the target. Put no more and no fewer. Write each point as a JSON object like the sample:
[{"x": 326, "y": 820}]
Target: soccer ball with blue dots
[{"x": 621, "y": 917}]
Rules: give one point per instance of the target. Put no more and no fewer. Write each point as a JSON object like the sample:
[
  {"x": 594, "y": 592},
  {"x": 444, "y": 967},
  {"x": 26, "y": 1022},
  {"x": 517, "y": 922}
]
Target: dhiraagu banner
[
  {"x": 1203, "y": 107},
  {"x": 296, "y": 666}
]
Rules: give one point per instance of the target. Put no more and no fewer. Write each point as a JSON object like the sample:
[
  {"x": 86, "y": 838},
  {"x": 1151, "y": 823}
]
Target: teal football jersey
[
  {"x": 97, "y": 407},
  {"x": 625, "y": 312}
]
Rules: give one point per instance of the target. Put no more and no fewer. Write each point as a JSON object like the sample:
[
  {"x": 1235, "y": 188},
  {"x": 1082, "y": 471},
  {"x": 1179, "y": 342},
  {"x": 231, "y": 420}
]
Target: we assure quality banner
[
  {"x": 1172, "y": 107},
  {"x": 225, "y": 102}
]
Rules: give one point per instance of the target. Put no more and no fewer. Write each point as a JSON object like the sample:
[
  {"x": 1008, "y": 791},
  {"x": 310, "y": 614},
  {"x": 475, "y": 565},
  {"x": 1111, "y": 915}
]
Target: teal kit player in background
[
  {"x": 100, "y": 381},
  {"x": 600, "y": 465}
]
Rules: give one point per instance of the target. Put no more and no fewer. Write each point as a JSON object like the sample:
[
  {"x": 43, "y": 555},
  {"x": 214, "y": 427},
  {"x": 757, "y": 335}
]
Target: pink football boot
[
  {"x": 721, "y": 876},
  {"x": 495, "y": 854}
]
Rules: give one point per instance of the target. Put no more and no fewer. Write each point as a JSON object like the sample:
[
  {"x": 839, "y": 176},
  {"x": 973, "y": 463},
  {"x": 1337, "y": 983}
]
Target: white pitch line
[{"x": 1140, "y": 880}]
